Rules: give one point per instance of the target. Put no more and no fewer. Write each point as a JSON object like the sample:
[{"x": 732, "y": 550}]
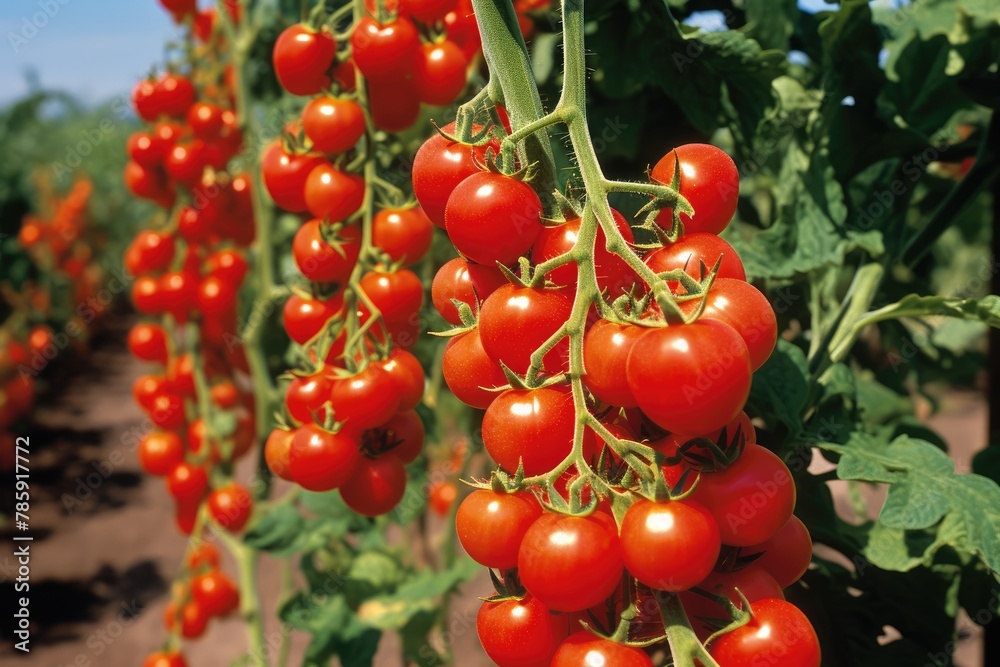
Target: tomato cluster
[
  {"x": 204, "y": 593},
  {"x": 673, "y": 384}
]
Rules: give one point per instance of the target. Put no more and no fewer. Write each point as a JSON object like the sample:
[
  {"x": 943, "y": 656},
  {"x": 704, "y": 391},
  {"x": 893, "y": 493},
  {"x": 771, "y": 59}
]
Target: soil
[{"x": 105, "y": 547}]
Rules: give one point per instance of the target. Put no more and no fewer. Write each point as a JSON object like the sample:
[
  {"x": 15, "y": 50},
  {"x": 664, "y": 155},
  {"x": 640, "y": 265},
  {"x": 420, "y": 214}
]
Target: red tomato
[
  {"x": 175, "y": 94},
  {"x": 693, "y": 378},
  {"x": 306, "y": 395},
  {"x": 671, "y": 545},
  {"x": 408, "y": 374},
  {"x": 404, "y": 234},
  {"x": 520, "y": 632},
  {"x": 741, "y": 305},
  {"x": 149, "y": 184},
  {"x": 708, "y": 180},
  {"x": 441, "y": 496},
  {"x": 285, "y": 175},
  {"x": 165, "y": 660},
  {"x": 583, "y": 649},
  {"x": 185, "y": 163},
  {"x": 382, "y": 50},
  {"x": 204, "y": 555},
  {"x": 427, "y": 11},
  {"x": 534, "y": 427},
  {"x": 216, "y": 296},
  {"x": 586, "y": 546},
  {"x": 194, "y": 620},
  {"x": 148, "y": 342},
  {"x": 440, "y": 165},
  {"x": 216, "y": 593},
  {"x": 439, "y": 72},
  {"x": 205, "y": 120},
  {"x": 320, "y": 460},
  {"x": 167, "y": 411},
  {"x": 777, "y": 634},
  {"x": 148, "y": 153},
  {"x": 304, "y": 317},
  {"x": 752, "y": 581},
  {"x": 333, "y": 194},
  {"x": 365, "y": 400},
  {"x": 160, "y": 452},
  {"x": 326, "y": 258},
  {"x": 146, "y": 388},
  {"x": 515, "y": 321},
  {"x": 463, "y": 281},
  {"x": 786, "y": 556},
  {"x": 692, "y": 252},
  {"x": 376, "y": 486},
  {"x": 403, "y": 436},
  {"x": 229, "y": 265},
  {"x": 751, "y": 500},
  {"x": 333, "y": 125},
  {"x": 491, "y": 525},
  {"x": 463, "y": 29},
  {"x": 231, "y": 506},
  {"x": 149, "y": 252},
  {"x": 493, "y": 218},
  {"x": 303, "y": 58},
  {"x": 187, "y": 483},
  {"x": 145, "y": 100},
  {"x": 613, "y": 274},
  {"x": 469, "y": 372},
  {"x": 398, "y": 295},
  {"x": 277, "y": 449},
  {"x": 179, "y": 293},
  {"x": 394, "y": 103},
  {"x": 606, "y": 347}
]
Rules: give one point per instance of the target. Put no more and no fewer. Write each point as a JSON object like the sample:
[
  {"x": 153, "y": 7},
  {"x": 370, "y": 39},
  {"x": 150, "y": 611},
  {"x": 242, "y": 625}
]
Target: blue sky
[{"x": 94, "y": 50}]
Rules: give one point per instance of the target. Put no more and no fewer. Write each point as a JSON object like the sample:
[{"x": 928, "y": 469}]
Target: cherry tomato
[
  {"x": 493, "y": 218},
  {"x": 285, "y": 175},
  {"x": 586, "y": 546},
  {"x": 277, "y": 449},
  {"x": 606, "y": 347},
  {"x": 427, "y": 11},
  {"x": 403, "y": 234},
  {"x": 708, "y": 180},
  {"x": 469, "y": 372},
  {"x": 205, "y": 120},
  {"x": 146, "y": 101},
  {"x": 229, "y": 265},
  {"x": 175, "y": 94},
  {"x": 179, "y": 293},
  {"x": 194, "y": 620},
  {"x": 231, "y": 506},
  {"x": 165, "y": 660},
  {"x": 149, "y": 252},
  {"x": 326, "y": 257},
  {"x": 376, "y": 486},
  {"x": 146, "y": 151},
  {"x": 454, "y": 280},
  {"x": 167, "y": 411},
  {"x": 146, "y": 388},
  {"x": 216, "y": 593},
  {"x": 786, "y": 556},
  {"x": 397, "y": 295},
  {"x": 520, "y": 632},
  {"x": 693, "y": 378},
  {"x": 185, "y": 163},
  {"x": 777, "y": 634},
  {"x": 463, "y": 29},
  {"x": 439, "y": 72},
  {"x": 394, "y": 103},
  {"x": 741, "y": 305},
  {"x": 333, "y": 125},
  {"x": 306, "y": 395},
  {"x": 216, "y": 296},
  {"x": 532, "y": 426},
  {"x": 380, "y": 50},
  {"x": 205, "y": 555},
  {"x": 403, "y": 436},
  {"x": 320, "y": 460},
  {"x": 583, "y": 649},
  {"x": 408, "y": 374},
  {"x": 751, "y": 500},
  {"x": 752, "y": 581},
  {"x": 692, "y": 252},
  {"x": 440, "y": 165},
  {"x": 515, "y": 321},
  {"x": 333, "y": 194},
  {"x": 160, "y": 452},
  {"x": 366, "y": 399},
  {"x": 148, "y": 342},
  {"x": 304, "y": 317},
  {"x": 491, "y": 525},
  {"x": 441, "y": 496},
  {"x": 303, "y": 58},
  {"x": 671, "y": 545},
  {"x": 187, "y": 483},
  {"x": 149, "y": 184}
]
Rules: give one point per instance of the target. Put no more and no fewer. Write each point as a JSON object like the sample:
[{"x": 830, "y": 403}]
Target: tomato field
[{"x": 627, "y": 318}]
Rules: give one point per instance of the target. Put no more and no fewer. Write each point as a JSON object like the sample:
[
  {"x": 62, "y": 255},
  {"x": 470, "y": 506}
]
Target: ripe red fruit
[
  {"x": 380, "y": 50},
  {"x": 515, "y": 321},
  {"x": 403, "y": 234},
  {"x": 469, "y": 371},
  {"x": 440, "y": 165},
  {"x": 303, "y": 58},
  {"x": 365, "y": 400},
  {"x": 160, "y": 452},
  {"x": 408, "y": 375},
  {"x": 277, "y": 449},
  {"x": 439, "y": 72},
  {"x": 215, "y": 592},
  {"x": 694, "y": 251},
  {"x": 333, "y": 194},
  {"x": 741, "y": 305},
  {"x": 285, "y": 175},
  {"x": 376, "y": 486},
  {"x": 176, "y": 94},
  {"x": 326, "y": 259},
  {"x": 787, "y": 554},
  {"x": 333, "y": 125},
  {"x": 491, "y": 525},
  {"x": 304, "y": 317},
  {"x": 777, "y": 632},
  {"x": 394, "y": 103},
  {"x": 148, "y": 342},
  {"x": 520, "y": 632},
  {"x": 427, "y": 11},
  {"x": 205, "y": 120},
  {"x": 164, "y": 659},
  {"x": 709, "y": 181},
  {"x": 583, "y": 648},
  {"x": 456, "y": 280},
  {"x": 320, "y": 460},
  {"x": 231, "y": 506},
  {"x": 606, "y": 347},
  {"x": 187, "y": 483}
]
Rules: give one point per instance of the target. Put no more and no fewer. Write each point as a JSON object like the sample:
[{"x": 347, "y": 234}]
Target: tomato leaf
[
  {"x": 420, "y": 594},
  {"x": 781, "y": 385}
]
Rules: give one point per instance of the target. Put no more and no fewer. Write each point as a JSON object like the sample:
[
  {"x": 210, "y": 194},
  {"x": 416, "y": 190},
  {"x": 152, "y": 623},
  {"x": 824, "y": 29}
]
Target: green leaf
[
  {"x": 275, "y": 531},
  {"x": 924, "y": 492},
  {"x": 422, "y": 593},
  {"x": 782, "y": 385},
  {"x": 986, "y": 310}
]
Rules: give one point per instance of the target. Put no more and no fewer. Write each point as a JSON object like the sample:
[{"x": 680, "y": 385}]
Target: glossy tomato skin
[
  {"x": 491, "y": 525},
  {"x": 398, "y": 295},
  {"x": 520, "y": 633},
  {"x": 586, "y": 546},
  {"x": 402, "y": 436},
  {"x": 427, "y": 11},
  {"x": 321, "y": 260},
  {"x": 493, "y": 218},
  {"x": 333, "y": 125},
  {"x": 303, "y": 58},
  {"x": 752, "y": 581},
  {"x": 403, "y": 234},
  {"x": 380, "y": 50},
  {"x": 440, "y": 165},
  {"x": 394, "y": 103},
  {"x": 606, "y": 347},
  {"x": 408, "y": 375},
  {"x": 692, "y": 378},
  {"x": 320, "y": 460},
  {"x": 148, "y": 342},
  {"x": 455, "y": 280},
  {"x": 692, "y": 251},
  {"x": 216, "y": 593},
  {"x": 231, "y": 506},
  {"x": 777, "y": 634},
  {"x": 742, "y": 306},
  {"x": 709, "y": 181},
  {"x": 304, "y": 317},
  {"x": 515, "y": 321},
  {"x": 165, "y": 660},
  {"x": 376, "y": 486},
  {"x": 533, "y": 427},
  {"x": 583, "y": 649},
  {"x": 187, "y": 483},
  {"x": 613, "y": 274},
  {"x": 333, "y": 194},
  {"x": 365, "y": 400},
  {"x": 306, "y": 395},
  {"x": 285, "y": 176},
  {"x": 469, "y": 371},
  {"x": 160, "y": 452},
  {"x": 439, "y": 72},
  {"x": 671, "y": 545},
  {"x": 786, "y": 556},
  {"x": 277, "y": 449},
  {"x": 176, "y": 94},
  {"x": 751, "y": 500}
]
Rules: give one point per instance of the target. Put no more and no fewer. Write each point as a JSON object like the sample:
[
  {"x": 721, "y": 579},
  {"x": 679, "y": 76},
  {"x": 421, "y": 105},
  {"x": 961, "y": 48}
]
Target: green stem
[
  {"x": 860, "y": 297},
  {"x": 685, "y": 647},
  {"x": 246, "y": 563}
]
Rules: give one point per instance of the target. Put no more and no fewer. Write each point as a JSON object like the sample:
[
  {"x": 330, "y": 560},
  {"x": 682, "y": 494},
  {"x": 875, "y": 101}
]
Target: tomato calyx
[{"x": 509, "y": 587}]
